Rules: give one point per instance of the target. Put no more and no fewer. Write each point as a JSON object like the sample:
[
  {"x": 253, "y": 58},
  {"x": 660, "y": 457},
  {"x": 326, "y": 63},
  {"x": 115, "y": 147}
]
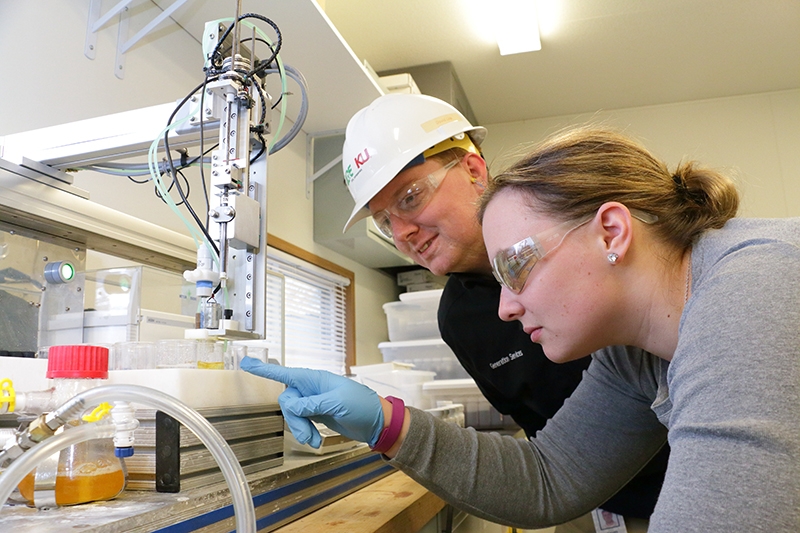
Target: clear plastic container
[
  {"x": 433, "y": 355},
  {"x": 176, "y": 353},
  {"x": 89, "y": 471},
  {"x": 478, "y": 412},
  {"x": 414, "y": 317},
  {"x": 211, "y": 355},
  {"x": 388, "y": 380},
  {"x": 133, "y": 355}
]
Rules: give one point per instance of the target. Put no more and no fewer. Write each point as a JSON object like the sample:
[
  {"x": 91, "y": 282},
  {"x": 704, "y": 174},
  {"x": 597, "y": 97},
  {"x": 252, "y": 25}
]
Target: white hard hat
[{"x": 388, "y": 134}]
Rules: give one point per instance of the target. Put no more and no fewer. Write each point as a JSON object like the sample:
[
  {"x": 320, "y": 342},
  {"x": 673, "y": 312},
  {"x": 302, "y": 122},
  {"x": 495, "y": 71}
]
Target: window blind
[{"x": 306, "y": 313}]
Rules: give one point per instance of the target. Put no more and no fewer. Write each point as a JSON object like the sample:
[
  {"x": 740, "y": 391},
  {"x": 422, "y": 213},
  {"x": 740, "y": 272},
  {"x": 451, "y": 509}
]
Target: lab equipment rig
[
  {"x": 231, "y": 110},
  {"x": 230, "y": 106}
]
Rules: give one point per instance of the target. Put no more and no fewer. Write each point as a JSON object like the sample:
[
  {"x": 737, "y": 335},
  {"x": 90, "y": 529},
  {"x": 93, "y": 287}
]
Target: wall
[
  {"x": 48, "y": 81},
  {"x": 754, "y": 138}
]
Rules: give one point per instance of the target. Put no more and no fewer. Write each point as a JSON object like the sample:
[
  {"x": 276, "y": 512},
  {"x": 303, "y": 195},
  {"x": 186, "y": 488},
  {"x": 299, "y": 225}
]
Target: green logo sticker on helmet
[{"x": 360, "y": 159}]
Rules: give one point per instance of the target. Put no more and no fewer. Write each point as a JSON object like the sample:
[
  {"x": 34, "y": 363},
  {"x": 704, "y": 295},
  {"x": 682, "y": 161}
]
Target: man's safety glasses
[
  {"x": 512, "y": 266},
  {"x": 411, "y": 199}
]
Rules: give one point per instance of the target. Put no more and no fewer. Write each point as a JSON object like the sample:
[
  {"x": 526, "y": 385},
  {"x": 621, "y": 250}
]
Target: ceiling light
[
  {"x": 516, "y": 26},
  {"x": 549, "y": 16}
]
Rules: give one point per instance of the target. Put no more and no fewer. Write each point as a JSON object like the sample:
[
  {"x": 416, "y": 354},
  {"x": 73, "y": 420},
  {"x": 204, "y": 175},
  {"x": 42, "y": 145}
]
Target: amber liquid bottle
[{"x": 88, "y": 471}]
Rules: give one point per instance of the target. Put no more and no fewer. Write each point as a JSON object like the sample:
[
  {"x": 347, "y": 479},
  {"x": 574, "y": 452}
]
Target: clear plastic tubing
[
  {"x": 29, "y": 460},
  {"x": 244, "y": 512}
]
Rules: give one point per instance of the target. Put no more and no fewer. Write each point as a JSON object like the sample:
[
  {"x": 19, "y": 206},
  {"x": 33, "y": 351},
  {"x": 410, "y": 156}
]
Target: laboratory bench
[{"x": 352, "y": 490}]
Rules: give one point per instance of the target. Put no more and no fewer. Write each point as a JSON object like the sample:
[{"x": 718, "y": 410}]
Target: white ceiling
[{"x": 605, "y": 54}]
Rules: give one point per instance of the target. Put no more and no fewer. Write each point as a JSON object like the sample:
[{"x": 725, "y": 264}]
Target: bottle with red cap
[{"x": 88, "y": 471}]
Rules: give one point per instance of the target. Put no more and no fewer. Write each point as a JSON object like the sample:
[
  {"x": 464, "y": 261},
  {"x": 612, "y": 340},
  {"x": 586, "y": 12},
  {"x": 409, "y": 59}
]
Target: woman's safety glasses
[
  {"x": 411, "y": 200},
  {"x": 512, "y": 266}
]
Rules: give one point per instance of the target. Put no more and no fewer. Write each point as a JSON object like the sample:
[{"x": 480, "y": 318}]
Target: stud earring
[{"x": 612, "y": 258}]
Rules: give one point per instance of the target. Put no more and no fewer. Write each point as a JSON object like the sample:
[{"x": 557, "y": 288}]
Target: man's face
[{"x": 443, "y": 235}]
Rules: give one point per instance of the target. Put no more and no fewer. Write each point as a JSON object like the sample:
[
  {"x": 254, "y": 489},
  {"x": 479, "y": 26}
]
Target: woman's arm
[{"x": 593, "y": 446}]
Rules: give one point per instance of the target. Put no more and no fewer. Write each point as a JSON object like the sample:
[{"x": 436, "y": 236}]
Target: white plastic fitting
[
  {"x": 204, "y": 276},
  {"x": 126, "y": 423}
]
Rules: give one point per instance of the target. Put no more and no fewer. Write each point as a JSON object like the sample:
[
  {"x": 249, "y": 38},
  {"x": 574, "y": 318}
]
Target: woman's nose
[{"x": 510, "y": 309}]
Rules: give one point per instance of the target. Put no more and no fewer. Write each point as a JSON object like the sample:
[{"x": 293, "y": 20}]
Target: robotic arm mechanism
[
  {"x": 232, "y": 102},
  {"x": 234, "y": 95}
]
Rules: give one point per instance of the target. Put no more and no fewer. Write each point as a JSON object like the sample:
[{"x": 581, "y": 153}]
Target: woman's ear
[{"x": 615, "y": 226}]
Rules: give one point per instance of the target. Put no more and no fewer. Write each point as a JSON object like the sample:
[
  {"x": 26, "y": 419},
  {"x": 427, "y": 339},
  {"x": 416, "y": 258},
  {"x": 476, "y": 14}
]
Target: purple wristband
[{"x": 390, "y": 434}]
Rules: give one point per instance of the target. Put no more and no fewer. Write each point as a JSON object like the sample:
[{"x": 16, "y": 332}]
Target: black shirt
[{"x": 517, "y": 378}]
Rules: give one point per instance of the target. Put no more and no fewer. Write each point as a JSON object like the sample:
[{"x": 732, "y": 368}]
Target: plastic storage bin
[
  {"x": 432, "y": 355},
  {"x": 478, "y": 412},
  {"x": 414, "y": 316},
  {"x": 386, "y": 380}
]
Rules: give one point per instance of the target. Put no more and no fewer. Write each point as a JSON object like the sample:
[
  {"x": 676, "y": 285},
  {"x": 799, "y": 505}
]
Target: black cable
[
  {"x": 193, "y": 161},
  {"x": 172, "y": 164},
  {"x": 159, "y": 196},
  {"x": 263, "y": 98},
  {"x": 186, "y": 164},
  {"x": 259, "y": 130},
  {"x": 177, "y": 185},
  {"x": 278, "y": 101},
  {"x": 202, "y": 142},
  {"x": 261, "y": 150},
  {"x": 263, "y": 41},
  {"x": 265, "y": 64},
  {"x": 262, "y": 65},
  {"x": 205, "y": 191}
]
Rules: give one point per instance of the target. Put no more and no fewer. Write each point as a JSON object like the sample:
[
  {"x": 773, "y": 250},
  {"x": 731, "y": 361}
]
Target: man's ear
[{"x": 475, "y": 165}]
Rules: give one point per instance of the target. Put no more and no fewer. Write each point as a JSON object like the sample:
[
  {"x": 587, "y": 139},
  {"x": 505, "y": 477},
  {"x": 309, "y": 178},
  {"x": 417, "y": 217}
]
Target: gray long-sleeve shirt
[{"x": 729, "y": 402}]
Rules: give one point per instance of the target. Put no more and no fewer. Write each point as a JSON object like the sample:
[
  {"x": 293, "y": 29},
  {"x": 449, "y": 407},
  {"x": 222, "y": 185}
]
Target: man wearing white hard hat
[{"x": 414, "y": 164}]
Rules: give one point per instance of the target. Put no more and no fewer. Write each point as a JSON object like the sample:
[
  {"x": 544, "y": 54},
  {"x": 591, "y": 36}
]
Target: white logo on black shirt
[{"x": 506, "y": 359}]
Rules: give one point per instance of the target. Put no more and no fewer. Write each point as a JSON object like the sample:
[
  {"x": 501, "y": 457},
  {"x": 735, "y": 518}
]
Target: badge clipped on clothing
[{"x": 608, "y": 522}]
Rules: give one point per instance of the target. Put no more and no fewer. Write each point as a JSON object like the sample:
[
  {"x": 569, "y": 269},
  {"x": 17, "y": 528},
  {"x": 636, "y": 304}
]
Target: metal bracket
[
  {"x": 123, "y": 43},
  {"x": 90, "y": 46},
  {"x": 320, "y": 172},
  {"x": 119, "y": 61},
  {"x": 311, "y": 175}
]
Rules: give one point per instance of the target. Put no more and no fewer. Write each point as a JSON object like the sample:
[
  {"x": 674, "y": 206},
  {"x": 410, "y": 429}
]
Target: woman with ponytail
[{"x": 692, "y": 317}]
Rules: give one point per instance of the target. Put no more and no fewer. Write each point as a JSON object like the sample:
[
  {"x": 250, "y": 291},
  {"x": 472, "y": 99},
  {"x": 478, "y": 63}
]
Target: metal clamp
[
  {"x": 44, "y": 483},
  {"x": 223, "y": 213}
]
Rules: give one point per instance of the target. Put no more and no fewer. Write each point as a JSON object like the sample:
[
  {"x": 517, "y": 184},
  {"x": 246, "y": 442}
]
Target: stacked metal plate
[
  {"x": 169, "y": 457},
  {"x": 303, "y": 484}
]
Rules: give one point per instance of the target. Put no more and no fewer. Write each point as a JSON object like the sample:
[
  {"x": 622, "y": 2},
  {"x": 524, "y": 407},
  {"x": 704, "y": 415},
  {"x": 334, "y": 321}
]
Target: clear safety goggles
[
  {"x": 411, "y": 200},
  {"x": 512, "y": 266}
]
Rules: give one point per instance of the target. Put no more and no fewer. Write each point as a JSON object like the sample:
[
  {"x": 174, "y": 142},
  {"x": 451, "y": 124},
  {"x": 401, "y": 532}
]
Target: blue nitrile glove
[{"x": 342, "y": 404}]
